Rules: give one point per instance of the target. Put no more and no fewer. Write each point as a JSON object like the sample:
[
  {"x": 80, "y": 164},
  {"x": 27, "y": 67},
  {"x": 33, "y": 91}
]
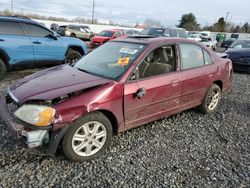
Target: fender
[{"x": 5, "y": 57}]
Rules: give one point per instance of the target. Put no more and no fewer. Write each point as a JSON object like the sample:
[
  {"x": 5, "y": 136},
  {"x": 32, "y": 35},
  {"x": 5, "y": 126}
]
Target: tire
[
  {"x": 3, "y": 69},
  {"x": 72, "y": 56},
  {"x": 211, "y": 100},
  {"x": 73, "y": 35},
  {"x": 80, "y": 142}
]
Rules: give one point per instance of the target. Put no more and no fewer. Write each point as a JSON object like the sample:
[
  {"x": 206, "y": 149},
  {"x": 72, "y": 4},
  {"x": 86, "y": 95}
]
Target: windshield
[
  {"x": 110, "y": 60},
  {"x": 241, "y": 44},
  {"x": 152, "y": 31},
  {"x": 106, "y": 33}
]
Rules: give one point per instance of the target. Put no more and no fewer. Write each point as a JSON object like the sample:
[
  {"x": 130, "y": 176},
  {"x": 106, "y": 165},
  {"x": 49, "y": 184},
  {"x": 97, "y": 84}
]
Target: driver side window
[
  {"x": 36, "y": 31},
  {"x": 160, "y": 61}
]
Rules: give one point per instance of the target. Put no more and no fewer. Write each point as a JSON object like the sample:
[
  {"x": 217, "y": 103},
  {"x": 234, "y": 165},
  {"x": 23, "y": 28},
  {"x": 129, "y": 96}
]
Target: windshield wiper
[{"x": 83, "y": 70}]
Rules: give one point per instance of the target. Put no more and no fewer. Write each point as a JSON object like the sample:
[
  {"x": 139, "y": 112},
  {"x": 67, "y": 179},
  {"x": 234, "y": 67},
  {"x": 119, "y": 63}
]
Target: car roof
[
  {"x": 152, "y": 40},
  {"x": 17, "y": 19},
  {"x": 113, "y": 30}
]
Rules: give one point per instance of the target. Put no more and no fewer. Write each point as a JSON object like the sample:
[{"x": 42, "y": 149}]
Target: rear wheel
[
  {"x": 211, "y": 101},
  {"x": 73, "y": 35},
  {"x": 88, "y": 137},
  {"x": 72, "y": 56},
  {"x": 3, "y": 69}
]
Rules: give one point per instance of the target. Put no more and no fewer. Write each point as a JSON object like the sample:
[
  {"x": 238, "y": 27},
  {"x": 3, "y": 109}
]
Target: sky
[{"x": 130, "y": 11}]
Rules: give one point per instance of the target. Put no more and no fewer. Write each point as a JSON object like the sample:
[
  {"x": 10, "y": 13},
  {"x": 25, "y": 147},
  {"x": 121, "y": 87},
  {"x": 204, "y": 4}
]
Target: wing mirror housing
[{"x": 53, "y": 36}]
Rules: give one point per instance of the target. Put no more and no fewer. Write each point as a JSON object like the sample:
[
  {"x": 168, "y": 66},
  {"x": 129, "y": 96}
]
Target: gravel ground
[{"x": 186, "y": 150}]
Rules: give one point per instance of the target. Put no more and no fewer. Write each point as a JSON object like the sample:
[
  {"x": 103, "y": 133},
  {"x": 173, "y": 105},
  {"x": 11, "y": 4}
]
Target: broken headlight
[{"x": 36, "y": 114}]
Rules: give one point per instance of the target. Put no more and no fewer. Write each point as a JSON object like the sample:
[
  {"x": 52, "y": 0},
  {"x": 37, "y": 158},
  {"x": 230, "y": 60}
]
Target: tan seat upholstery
[{"x": 156, "y": 69}]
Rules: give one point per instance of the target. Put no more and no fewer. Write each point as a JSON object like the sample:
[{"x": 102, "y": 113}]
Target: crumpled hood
[{"x": 54, "y": 82}]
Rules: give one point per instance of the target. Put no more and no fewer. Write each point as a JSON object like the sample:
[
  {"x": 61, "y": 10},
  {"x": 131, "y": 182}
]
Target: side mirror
[{"x": 53, "y": 36}]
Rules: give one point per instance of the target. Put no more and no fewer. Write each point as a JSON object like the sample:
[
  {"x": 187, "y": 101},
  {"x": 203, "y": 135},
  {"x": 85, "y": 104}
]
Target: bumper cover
[
  {"x": 14, "y": 125},
  {"x": 19, "y": 129}
]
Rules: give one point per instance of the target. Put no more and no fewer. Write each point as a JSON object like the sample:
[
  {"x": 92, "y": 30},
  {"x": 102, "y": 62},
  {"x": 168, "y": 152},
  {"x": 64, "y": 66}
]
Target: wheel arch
[
  {"x": 219, "y": 83},
  {"x": 4, "y": 57},
  {"x": 112, "y": 118},
  {"x": 77, "y": 48}
]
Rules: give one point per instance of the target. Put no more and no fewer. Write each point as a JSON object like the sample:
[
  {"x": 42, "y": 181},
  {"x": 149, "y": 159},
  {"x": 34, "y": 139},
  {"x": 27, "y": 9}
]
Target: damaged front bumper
[
  {"x": 42, "y": 138},
  {"x": 34, "y": 136}
]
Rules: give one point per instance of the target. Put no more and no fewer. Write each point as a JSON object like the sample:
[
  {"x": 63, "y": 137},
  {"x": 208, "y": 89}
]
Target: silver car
[{"x": 76, "y": 31}]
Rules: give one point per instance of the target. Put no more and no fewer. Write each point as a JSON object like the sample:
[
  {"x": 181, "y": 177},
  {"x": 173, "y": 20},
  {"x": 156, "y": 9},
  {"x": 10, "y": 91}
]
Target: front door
[
  {"x": 157, "y": 90},
  {"x": 46, "y": 48}
]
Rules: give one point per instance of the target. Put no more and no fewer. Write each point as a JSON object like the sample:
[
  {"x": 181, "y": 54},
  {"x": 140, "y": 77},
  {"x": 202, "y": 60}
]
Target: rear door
[
  {"x": 47, "y": 49},
  {"x": 15, "y": 43},
  {"x": 194, "y": 77},
  {"x": 156, "y": 93}
]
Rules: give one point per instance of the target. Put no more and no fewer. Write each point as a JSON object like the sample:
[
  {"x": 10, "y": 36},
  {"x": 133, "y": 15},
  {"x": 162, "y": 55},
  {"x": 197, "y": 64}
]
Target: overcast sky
[{"x": 129, "y": 11}]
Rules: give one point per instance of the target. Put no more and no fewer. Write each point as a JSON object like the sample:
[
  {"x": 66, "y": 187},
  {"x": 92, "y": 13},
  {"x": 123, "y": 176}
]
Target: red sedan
[
  {"x": 105, "y": 36},
  {"x": 121, "y": 85}
]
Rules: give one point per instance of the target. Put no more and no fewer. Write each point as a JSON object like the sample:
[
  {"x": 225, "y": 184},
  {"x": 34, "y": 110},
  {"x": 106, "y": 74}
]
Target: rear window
[
  {"x": 106, "y": 33},
  {"x": 182, "y": 33},
  {"x": 152, "y": 31},
  {"x": 10, "y": 28}
]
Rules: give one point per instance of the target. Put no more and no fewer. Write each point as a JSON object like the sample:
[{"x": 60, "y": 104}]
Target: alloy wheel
[{"x": 89, "y": 138}]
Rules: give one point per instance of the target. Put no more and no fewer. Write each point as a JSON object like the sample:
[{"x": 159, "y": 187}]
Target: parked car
[
  {"x": 239, "y": 53},
  {"x": 121, "y": 85},
  {"x": 76, "y": 31},
  {"x": 195, "y": 37},
  {"x": 105, "y": 36},
  {"x": 132, "y": 32},
  {"x": 227, "y": 43},
  {"x": 209, "y": 42},
  {"x": 26, "y": 42},
  {"x": 54, "y": 26},
  {"x": 164, "y": 32}
]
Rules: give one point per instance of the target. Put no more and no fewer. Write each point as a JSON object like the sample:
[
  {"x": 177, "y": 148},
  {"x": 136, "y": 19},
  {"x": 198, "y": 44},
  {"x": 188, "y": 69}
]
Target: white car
[
  {"x": 209, "y": 42},
  {"x": 195, "y": 37}
]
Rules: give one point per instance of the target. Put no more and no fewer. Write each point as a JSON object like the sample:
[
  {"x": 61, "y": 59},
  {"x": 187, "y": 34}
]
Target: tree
[
  {"x": 152, "y": 23},
  {"x": 220, "y": 25},
  {"x": 245, "y": 27},
  {"x": 189, "y": 22}
]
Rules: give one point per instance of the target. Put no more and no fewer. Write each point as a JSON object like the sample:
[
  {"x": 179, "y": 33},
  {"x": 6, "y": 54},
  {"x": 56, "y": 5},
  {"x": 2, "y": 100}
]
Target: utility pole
[
  {"x": 227, "y": 16},
  {"x": 11, "y": 3},
  {"x": 93, "y": 12}
]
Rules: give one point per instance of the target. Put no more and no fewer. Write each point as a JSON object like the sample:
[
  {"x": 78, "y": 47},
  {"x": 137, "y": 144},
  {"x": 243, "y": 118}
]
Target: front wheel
[
  {"x": 3, "y": 69},
  {"x": 211, "y": 100},
  {"x": 87, "y": 138},
  {"x": 72, "y": 56}
]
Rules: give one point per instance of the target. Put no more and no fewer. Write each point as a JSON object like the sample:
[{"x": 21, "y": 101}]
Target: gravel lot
[{"x": 186, "y": 150}]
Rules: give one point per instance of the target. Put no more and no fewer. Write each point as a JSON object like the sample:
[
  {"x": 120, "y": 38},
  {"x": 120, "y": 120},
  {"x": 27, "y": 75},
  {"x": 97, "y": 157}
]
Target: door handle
[
  {"x": 36, "y": 42},
  {"x": 141, "y": 92},
  {"x": 1, "y": 40}
]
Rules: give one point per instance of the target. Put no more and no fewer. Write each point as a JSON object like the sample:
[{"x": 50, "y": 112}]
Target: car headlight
[{"x": 36, "y": 114}]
